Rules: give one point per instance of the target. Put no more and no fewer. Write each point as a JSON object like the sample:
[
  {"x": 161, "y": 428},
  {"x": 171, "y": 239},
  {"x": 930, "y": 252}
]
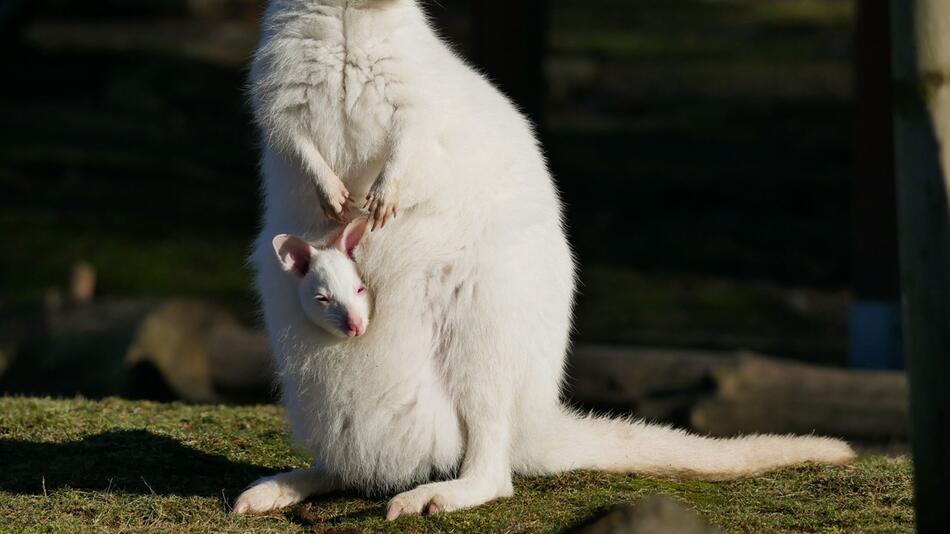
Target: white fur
[
  {"x": 459, "y": 375},
  {"x": 329, "y": 288}
]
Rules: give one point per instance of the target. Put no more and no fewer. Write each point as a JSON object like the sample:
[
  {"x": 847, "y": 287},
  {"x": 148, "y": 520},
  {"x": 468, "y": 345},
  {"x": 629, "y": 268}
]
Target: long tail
[{"x": 619, "y": 445}]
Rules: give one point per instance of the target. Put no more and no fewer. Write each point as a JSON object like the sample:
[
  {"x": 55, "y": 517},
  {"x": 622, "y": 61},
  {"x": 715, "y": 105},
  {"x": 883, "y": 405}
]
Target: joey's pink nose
[{"x": 354, "y": 326}]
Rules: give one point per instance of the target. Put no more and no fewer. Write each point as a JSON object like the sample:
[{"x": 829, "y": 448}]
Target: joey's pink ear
[
  {"x": 294, "y": 254},
  {"x": 351, "y": 236}
]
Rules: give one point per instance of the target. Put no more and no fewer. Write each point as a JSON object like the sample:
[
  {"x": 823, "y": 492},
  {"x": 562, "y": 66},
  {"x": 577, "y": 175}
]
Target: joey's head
[{"x": 330, "y": 289}]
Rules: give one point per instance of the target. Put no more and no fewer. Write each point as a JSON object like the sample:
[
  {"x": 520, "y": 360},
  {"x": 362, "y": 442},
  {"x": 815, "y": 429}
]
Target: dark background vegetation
[{"x": 702, "y": 148}]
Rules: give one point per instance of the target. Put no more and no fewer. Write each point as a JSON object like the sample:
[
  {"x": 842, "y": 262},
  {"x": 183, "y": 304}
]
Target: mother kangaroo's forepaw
[
  {"x": 382, "y": 202},
  {"x": 333, "y": 200},
  {"x": 439, "y": 497}
]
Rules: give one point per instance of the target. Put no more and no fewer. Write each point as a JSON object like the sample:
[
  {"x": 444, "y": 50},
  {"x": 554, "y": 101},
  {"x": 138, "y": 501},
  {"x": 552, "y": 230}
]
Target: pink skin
[
  {"x": 354, "y": 326},
  {"x": 331, "y": 292}
]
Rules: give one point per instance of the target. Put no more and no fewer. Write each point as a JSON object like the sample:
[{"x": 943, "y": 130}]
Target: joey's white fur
[
  {"x": 330, "y": 291},
  {"x": 455, "y": 383}
]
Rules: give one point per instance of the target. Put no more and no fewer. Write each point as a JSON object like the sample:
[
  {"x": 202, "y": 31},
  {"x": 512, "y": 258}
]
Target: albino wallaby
[
  {"x": 456, "y": 382},
  {"x": 331, "y": 292}
]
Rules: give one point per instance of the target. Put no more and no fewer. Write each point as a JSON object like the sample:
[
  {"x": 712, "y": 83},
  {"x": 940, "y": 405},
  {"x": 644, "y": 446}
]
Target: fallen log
[
  {"x": 188, "y": 350},
  {"x": 202, "y": 353},
  {"x": 768, "y": 395},
  {"x": 729, "y": 393},
  {"x": 657, "y": 384},
  {"x": 198, "y": 352}
]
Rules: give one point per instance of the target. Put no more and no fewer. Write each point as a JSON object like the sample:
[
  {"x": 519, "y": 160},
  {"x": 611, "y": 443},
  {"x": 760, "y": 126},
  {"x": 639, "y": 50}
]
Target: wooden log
[
  {"x": 828, "y": 417},
  {"x": 921, "y": 55},
  {"x": 82, "y": 283},
  {"x": 188, "y": 350},
  {"x": 202, "y": 353},
  {"x": 768, "y": 395},
  {"x": 755, "y": 374},
  {"x": 173, "y": 340},
  {"x": 728, "y": 393},
  {"x": 658, "y": 384},
  {"x": 240, "y": 363}
]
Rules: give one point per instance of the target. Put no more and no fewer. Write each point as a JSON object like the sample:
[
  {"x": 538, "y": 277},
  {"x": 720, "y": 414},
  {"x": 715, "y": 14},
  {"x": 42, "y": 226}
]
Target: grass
[{"x": 120, "y": 466}]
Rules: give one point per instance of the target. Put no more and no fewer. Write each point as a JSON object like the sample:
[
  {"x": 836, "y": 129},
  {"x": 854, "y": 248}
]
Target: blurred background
[{"x": 724, "y": 163}]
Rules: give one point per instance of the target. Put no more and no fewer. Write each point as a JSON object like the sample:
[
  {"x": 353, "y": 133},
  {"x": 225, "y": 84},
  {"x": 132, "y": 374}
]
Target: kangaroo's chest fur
[{"x": 334, "y": 73}]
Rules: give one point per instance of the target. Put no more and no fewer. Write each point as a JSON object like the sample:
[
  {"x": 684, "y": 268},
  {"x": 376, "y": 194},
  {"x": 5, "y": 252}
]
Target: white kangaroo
[{"x": 455, "y": 384}]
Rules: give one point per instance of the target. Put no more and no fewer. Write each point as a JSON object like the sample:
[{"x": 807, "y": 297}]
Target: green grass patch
[{"x": 118, "y": 466}]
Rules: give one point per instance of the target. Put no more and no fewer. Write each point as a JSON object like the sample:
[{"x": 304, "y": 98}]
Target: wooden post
[{"x": 921, "y": 54}]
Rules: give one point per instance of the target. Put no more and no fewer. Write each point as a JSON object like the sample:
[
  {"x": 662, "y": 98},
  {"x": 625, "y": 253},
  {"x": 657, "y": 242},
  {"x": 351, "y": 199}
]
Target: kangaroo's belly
[{"x": 379, "y": 438}]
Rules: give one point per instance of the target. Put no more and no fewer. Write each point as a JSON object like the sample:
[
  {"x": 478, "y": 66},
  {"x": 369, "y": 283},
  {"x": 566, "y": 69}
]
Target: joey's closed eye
[
  {"x": 360, "y": 290},
  {"x": 320, "y": 297}
]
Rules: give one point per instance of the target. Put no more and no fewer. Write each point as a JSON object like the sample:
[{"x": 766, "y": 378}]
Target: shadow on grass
[
  {"x": 312, "y": 514},
  {"x": 129, "y": 461}
]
